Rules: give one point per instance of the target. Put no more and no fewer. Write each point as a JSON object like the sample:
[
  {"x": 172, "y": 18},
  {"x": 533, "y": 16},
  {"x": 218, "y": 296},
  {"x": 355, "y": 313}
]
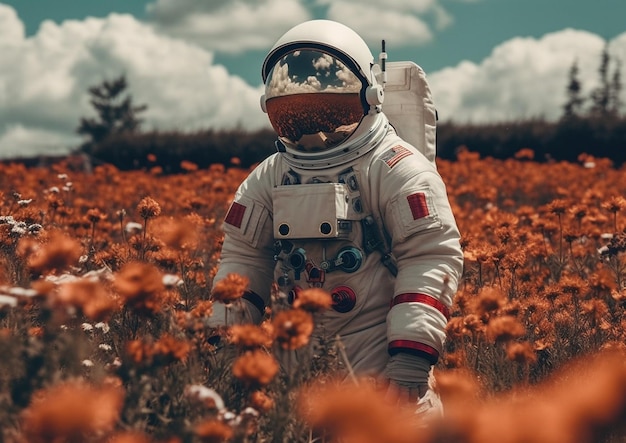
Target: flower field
[{"x": 104, "y": 301}]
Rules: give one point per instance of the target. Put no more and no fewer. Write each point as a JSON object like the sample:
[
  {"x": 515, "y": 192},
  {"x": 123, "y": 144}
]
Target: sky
[{"x": 196, "y": 63}]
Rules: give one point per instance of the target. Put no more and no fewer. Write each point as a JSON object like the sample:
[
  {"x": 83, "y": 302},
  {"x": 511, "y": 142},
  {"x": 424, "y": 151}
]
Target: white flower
[
  {"x": 35, "y": 228},
  {"x": 87, "y": 327},
  {"x": 19, "y": 229},
  {"x": 203, "y": 394},
  {"x": 250, "y": 411},
  {"x": 62, "y": 176},
  {"x": 5, "y": 300},
  {"x": 54, "y": 190},
  {"x": 133, "y": 226},
  {"x": 22, "y": 292},
  {"x": 104, "y": 326},
  {"x": 170, "y": 280},
  {"x": 87, "y": 363},
  {"x": 104, "y": 347},
  {"x": 25, "y": 202},
  {"x": 229, "y": 416}
]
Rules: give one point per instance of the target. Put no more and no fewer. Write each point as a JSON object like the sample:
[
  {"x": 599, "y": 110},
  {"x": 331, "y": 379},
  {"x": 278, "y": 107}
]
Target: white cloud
[
  {"x": 240, "y": 25},
  {"x": 617, "y": 49},
  {"x": 19, "y": 141},
  {"x": 376, "y": 22},
  {"x": 522, "y": 78},
  {"x": 399, "y": 22},
  {"x": 11, "y": 29},
  {"x": 232, "y": 26},
  {"x": 44, "y": 81}
]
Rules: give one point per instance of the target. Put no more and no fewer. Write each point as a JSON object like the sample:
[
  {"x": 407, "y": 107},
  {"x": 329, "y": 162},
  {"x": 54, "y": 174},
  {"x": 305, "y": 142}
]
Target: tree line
[
  {"x": 605, "y": 98},
  {"x": 590, "y": 124}
]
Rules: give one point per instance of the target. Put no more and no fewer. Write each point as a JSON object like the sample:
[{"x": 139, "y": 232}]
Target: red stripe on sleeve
[
  {"x": 410, "y": 345},
  {"x": 422, "y": 298}
]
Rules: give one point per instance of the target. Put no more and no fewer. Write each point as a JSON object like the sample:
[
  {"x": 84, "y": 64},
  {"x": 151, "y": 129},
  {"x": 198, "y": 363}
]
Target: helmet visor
[{"x": 313, "y": 100}]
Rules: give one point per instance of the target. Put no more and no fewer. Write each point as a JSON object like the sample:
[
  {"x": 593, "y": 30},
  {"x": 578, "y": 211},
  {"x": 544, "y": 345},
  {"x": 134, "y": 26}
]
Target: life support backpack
[{"x": 409, "y": 106}]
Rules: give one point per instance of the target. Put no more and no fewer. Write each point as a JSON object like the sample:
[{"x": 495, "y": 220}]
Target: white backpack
[{"x": 409, "y": 106}]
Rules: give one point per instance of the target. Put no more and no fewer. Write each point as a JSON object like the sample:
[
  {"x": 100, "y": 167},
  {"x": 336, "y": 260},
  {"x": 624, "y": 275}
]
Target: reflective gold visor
[{"x": 313, "y": 99}]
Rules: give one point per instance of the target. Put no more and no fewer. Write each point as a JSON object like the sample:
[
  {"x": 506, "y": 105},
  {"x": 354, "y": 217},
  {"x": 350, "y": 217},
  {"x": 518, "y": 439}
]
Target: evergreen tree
[
  {"x": 116, "y": 112},
  {"x": 615, "y": 101},
  {"x": 575, "y": 101},
  {"x": 600, "y": 96}
]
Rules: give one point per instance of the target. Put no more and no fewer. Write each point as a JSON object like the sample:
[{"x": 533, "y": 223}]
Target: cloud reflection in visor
[{"x": 313, "y": 100}]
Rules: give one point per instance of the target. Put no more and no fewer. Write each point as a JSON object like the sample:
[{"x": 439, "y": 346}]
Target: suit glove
[{"x": 408, "y": 376}]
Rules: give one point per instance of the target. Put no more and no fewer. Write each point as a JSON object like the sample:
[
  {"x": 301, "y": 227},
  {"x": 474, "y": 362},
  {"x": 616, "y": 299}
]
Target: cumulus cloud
[
  {"x": 399, "y": 22},
  {"x": 376, "y": 22},
  {"x": 232, "y": 26},
  {"x": 241, "y": 25},
  {"x": 521, "y": 78},
  {"x": 20, "y": 141},
  {"x": 44, "y": 81}
]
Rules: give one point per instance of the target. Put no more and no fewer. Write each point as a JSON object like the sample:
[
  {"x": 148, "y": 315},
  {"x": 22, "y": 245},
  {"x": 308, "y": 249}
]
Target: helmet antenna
[{"x": 383, "y": 58}]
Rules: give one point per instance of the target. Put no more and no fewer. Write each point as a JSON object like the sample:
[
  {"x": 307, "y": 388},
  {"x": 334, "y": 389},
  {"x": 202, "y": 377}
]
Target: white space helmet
[{"x": 321, "y": 94}]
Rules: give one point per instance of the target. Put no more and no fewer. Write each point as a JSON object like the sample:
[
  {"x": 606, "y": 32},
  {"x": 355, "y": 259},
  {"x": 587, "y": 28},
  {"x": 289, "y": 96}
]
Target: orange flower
[
  {"x": 95, "y": 215},
  {"x": 473, "y": 324},
  {"x": 558, "y": 206},
  {"x": 178, "y": 234},
  {"x": 148, "y": 208},
  {"x": 614, "y": 204},
  {"x": 255, "y": 368},
  {"x": 489, "y": 301},
  {"x": 89, "y": 297},
  {"x": 573, "y": 285},
  {"x": 313, "y": 300},
  {"x": 171, "y": 349},
  {"x": 138, "y": 352},
  {"x": 521, "y": 352},
  {"x": 230, "y": 288},
  {"x": 525, "y": 154},
  {"x": 72, "y": 412},
  {"x": 213, "y": 431},
  {"x": 260, "y": 401},
  {"x": 356, "y": 413},
  {"x": 504, "y": 328},
  {"x": 188, "y": 166},
  {"x": 59, "y": 253},
  {"x": 204, "y": 308},
  {"x": 141, "y": 286},
  {"x": 249, "y": 336},
  {"x": 293, "y": 328},
  {"x": 129, "y": 437}
]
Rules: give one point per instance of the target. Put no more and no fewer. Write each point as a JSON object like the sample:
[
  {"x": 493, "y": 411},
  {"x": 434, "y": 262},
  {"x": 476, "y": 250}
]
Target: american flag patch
[
  {"x": 395, "y": 154},
  {"x": 418, "y": 205},
  {"x": 235, "y": 214}
]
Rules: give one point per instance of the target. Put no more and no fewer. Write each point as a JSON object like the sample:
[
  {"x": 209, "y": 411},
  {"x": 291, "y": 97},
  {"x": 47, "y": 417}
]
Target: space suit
[{"x": 348, "y": 206}]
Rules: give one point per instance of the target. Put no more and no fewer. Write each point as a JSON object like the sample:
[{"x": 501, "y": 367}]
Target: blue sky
[{"x": 196, "y": 63}]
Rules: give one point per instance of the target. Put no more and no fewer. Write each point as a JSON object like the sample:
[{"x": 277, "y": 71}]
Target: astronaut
[{"x": 348, "y": 206}]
